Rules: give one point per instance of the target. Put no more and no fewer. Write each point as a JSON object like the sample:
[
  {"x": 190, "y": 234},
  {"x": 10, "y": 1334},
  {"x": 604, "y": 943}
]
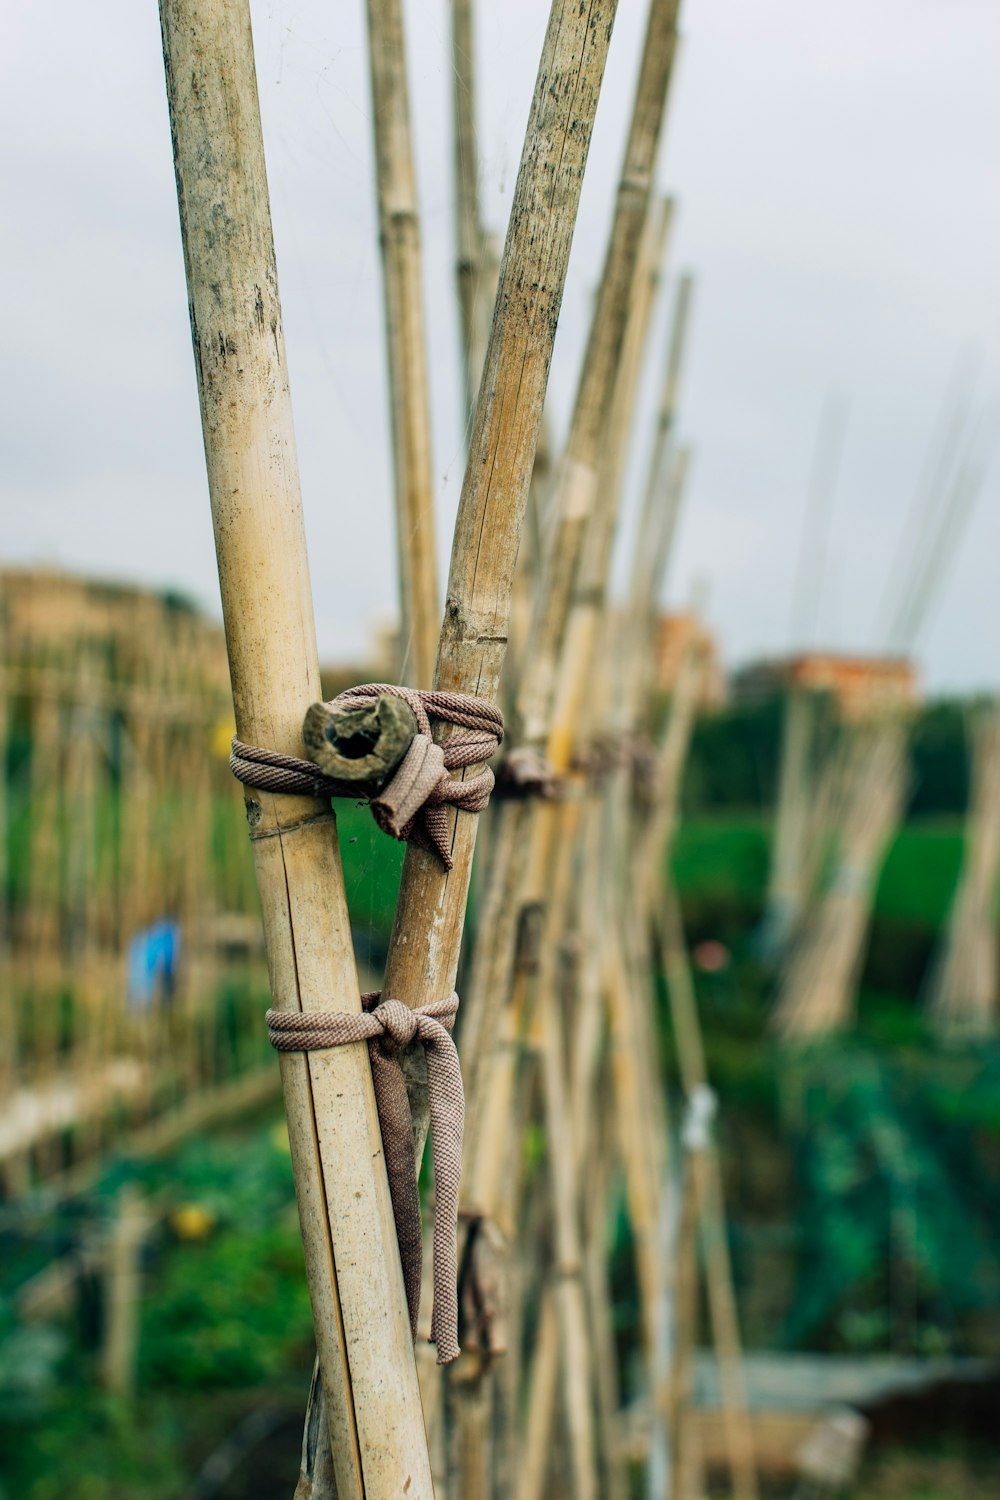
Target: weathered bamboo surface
[
  {"x": 569, "y": 1120},
  {"x": 427, "y": 932},
  {"x": 355, "y": 1283}
]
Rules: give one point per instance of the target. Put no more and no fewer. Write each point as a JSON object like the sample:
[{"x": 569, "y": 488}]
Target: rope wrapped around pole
[
  {"x": 388, "y": 1026},
  {"x": 413, "y": 803}
]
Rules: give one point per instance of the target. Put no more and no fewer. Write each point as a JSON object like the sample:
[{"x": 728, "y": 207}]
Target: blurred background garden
[{"x": 154, "y": 1322}]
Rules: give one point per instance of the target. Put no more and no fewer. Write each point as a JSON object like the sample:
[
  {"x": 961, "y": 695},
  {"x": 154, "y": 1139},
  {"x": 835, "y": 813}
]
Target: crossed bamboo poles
[{"x": 371, "y": 1406}]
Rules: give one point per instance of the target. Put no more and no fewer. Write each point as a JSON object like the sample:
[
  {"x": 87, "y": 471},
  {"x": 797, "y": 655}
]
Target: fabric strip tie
[
  {"x": 388, "y": 1026},
  {"x": 413, "y": 803}
]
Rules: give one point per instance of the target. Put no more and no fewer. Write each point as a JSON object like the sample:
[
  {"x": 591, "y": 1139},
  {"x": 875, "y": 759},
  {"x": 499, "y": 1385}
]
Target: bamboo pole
[
  {"x": 966, "y": 987},
  {"x": 577, "y": 483},
  {"x": 816, "y": 995},
  {"x": 510, "y": 877},
  {"x": 787, "y": 886},
  {"x": 547, "y": 835},
  {"x": 703, "y": 1172},
  {"x": 427, "y": 931},
  {"x": 519, "y": 863},
  {"x": 409, "y": 393},
  {"x": 471, "y": 253},
  {"x": 359, "y": 1308},
  {"x": 122, "y": 1293}
]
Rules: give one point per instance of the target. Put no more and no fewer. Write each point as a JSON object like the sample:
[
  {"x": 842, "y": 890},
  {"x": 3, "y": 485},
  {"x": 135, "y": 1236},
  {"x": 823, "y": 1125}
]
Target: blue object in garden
[{"x": 152, "y": 965}]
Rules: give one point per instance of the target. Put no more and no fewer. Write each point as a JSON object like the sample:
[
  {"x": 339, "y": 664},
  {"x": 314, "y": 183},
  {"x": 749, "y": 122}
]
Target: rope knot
[
  {"x": 388, "y": 1026},
  {"x": 413, "y": 802},
  {"x": 399, "y": 1025}
]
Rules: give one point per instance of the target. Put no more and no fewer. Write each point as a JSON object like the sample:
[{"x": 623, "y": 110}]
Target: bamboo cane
[
  {"x": 786, "y": 897},
  {"x": 555, "y": 830},
  {"x": 964, "y": 994},
  {"x": 122, "y": 1282},
  {"x": 474, "y": 300},
  {"x": 509, "y": 876},
  {"x": 702, "y": 1170},
  {"x": 424, "y": 948},
  {"x": 352, "y": 1263},
  {"x": 817, "y": 990},
  {"x": 426, "y": 938},
  {"x": 541, "y": 1402},
  {"x": 576, "y": 487},
  {"x": 409, "y": 404},
  {"x": 512, "y": 873}
]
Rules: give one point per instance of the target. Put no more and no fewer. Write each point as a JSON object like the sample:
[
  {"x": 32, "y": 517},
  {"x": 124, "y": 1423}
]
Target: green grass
[{"x": 726, "y": 859}]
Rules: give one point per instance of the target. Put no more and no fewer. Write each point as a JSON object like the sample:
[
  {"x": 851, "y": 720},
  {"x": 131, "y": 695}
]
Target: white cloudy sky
[{"x": 838, "y": 171}]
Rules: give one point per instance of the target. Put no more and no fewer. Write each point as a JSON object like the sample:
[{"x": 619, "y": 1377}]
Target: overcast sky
[{"x": 838, "y": 176}]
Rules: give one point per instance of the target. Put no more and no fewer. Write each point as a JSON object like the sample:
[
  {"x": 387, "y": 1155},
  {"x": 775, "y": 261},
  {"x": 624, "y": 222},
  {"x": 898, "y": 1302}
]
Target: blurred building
[
  {"x": 859, "y": 685},
  {"x": 676, "y": 633}
]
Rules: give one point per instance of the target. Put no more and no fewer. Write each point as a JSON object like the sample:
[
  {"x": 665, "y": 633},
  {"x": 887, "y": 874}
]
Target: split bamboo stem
[
  {"x": 409, "y": 390},
  {"x": 664, "y": 491},
  {"x": 352, "y": 1262},
  {"x": 587, "y": 608}
]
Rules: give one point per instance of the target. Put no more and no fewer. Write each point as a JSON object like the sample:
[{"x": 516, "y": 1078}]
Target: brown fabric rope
[
  {"x": 524, "y": 773},
  {"x": 388, "y": 1026},
  {"x": 414, "y": 801}
]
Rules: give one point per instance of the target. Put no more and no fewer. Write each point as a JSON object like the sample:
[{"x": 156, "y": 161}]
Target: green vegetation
[{"x": 225, "y": 1317}]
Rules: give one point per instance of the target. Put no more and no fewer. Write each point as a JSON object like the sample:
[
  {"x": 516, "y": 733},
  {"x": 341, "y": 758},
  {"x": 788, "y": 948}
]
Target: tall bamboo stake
[
  {"x": 427, "y": 931},
  {"x": 471, "y": 254},
  {"x": 542, "y": 862},
  {"x": 352, "y": 1263},
  {"x": 426, "y": 938},
  {"x": 787, "y": 887},
  {"x": 517, "y": 866},
  {"x": 576, "y": 487},
  {"x": 817, "y": 990},
  {"x": 409, "y": 402},
  {"x": 705, "y": 1182},
  {"x": 966, "y": 987}
]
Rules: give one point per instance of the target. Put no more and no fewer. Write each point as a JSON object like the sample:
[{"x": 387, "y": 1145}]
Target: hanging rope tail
[
  {"x": 388, "y": 1026},
  {"x": 413, "y": 804}
]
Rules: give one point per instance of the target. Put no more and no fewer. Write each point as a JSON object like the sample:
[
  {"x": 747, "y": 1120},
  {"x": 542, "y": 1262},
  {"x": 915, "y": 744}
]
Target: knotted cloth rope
[
  {"x": 413, "y": 803},
  {"x": 388, "y": 1026}
]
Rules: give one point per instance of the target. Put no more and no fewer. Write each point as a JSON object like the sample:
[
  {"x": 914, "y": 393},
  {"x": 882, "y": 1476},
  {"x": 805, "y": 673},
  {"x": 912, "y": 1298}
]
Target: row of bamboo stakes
[
  {"x": 559, "y": 1027},
  {"x": 843, "y": 787},
  {"x": 839, "y": 807},
  {"x": 117, "y": 808}
]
